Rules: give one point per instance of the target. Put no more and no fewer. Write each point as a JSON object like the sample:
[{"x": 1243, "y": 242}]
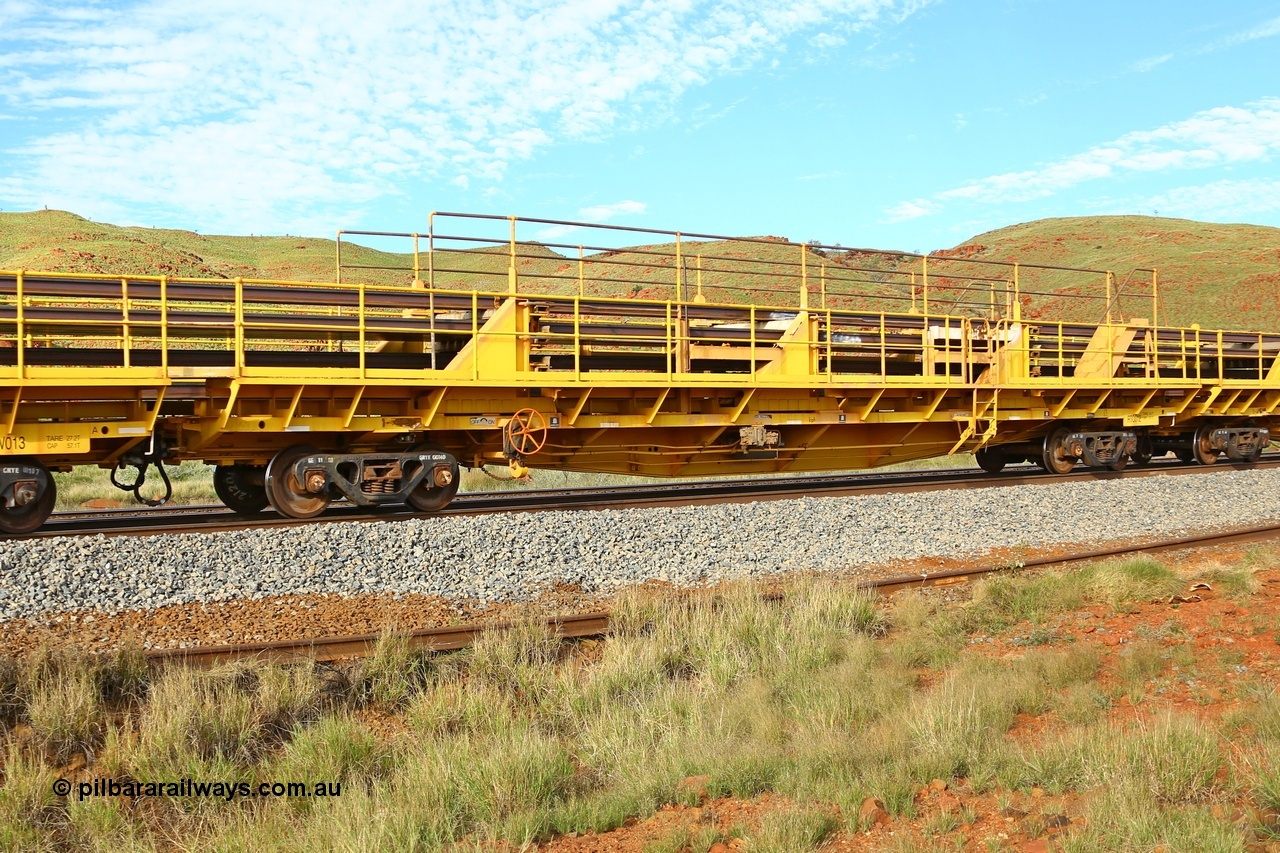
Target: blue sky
[{"x": 890, "y": 123}]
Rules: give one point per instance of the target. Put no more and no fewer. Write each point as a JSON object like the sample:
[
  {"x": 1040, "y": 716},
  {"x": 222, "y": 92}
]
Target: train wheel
[
  {"x": 285, "y": 493},
  {"x": 434, "y": 499},
  {"x": 990, "y": 459},
  {"x": 242, "y": 488},
  {"x": 1184, "y": 456},
  {"x": 32, "y": 497},
  {"x": 1118, "y": 463},
  {"x": 1141, "y": 457},
  {"x": 1201, "y": 449},
  {"x": 1054, "y": 458}
]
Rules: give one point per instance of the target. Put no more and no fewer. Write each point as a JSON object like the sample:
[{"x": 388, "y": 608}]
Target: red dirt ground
[{"x": 1235, "y": 646}]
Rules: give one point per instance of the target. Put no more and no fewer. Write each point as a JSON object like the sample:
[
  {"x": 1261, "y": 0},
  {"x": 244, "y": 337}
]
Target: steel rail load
[{"x": 478, "y": 345}]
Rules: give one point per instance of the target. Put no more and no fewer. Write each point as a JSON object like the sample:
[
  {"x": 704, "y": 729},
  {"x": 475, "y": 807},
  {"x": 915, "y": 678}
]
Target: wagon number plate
[{"x": 37, "y": 439}]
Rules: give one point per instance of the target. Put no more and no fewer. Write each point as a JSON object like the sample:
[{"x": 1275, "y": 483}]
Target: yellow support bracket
[
  {"x": 871, "y": 405},
  {"x": 965, "y": 435},
  {"x": 652, "y": 412},
  {"x": 233, "y": 392},
  {"x": 1145, "y": 400},
  {"x": 742, "y": 405},
  {"x": 432, "y": 407},
  {"x": 13, "y": 411},
  {"x": 572, "y": 416},
  {"x": 293, "y": 406},
  {"x": 350, "y": 412},
  {"x": 1061, "y": 406},
  {"x": 937, "y": 401},
  {"x": 155, "y": 411}
]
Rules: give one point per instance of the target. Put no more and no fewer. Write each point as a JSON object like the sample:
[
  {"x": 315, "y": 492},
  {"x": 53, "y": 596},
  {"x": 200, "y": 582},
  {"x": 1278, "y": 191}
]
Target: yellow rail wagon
[{"x": 563, "y": 345}]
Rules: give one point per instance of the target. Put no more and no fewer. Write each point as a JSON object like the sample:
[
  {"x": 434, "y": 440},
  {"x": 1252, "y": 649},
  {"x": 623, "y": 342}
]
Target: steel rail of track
[
  {"x": 197, "y": 519},
  {"x": 596, "y": 623}
]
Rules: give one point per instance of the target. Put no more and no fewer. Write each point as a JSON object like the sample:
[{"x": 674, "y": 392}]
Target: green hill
[{"x": 1215, "y": 275}]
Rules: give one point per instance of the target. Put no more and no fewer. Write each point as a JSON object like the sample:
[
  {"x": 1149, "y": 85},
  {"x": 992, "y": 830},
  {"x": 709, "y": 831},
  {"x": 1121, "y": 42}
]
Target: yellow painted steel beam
[{"x": 787, "y": 378}]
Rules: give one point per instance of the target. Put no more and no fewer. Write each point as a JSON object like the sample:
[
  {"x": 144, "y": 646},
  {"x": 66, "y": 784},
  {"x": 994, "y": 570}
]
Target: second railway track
[{"x": 596, "y": 623}]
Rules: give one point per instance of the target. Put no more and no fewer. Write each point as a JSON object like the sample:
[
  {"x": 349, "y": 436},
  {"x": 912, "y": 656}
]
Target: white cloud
[
  {"x": 596, "y": 213},
  {"x": 1142, "y": 66},
  {"x": 1266, "y": 29},
  {"x": 1219, "y": 200},
  {"x": 1223, "y": 136},
  {"x": 702, "y": 115},
  {"x": 253, "y": 116},
  {"x": 914, "y": 209},
  {"x": 826, "y": 41},
  {"x": 605, "y": 212}
]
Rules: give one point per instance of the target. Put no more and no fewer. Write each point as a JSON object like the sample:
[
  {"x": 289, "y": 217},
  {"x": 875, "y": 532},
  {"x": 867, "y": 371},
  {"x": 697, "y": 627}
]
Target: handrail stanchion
[
  {"x": 1200, "y": 368},
  {"x": 1062, "y": 355},
  {"x": 126, "y": 337},
  {"x": 577, "y": 338},
  {"x": 431, "y": 250},
  {"x": 924, "y": 276},
  {"x": 417, "y": 267},
  {"x": 21, "y": 330},
  {"x": 884, "y": 350},
  {"x": 511, "y": 270},
  {"x": 431, "y": 285},
  {"x": 670, "y": 350},
  {"x": 679, "y": 270},
  {"x": 238, "y": 308},
  {"x": 830, "y": 370},
  {"x": 1155, "y": 297},
  {"x": 804, "y": 276},
  {"x": 362, "y": 330},
  {"x": 164, "y": 325},
  {"x": 1155, "y": 327},
  {"x": 337, "y": 273},
  {"x": 1222, "y": 359}
]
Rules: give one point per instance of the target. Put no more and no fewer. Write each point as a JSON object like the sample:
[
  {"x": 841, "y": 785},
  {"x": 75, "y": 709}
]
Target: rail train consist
[{"x": 689, "y": 355}]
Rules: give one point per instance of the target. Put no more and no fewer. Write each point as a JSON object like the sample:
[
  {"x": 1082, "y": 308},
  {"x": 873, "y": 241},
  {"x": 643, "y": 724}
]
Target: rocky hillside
[{"x": 1215, "y": 275}]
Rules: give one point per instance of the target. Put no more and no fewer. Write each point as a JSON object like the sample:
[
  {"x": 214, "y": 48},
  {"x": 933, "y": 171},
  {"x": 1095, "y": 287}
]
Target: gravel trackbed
[{"x": 497, "y": 558}]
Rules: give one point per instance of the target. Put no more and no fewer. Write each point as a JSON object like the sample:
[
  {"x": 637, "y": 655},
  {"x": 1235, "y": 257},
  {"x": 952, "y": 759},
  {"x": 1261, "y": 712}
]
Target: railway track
[
  {"x": 207, "y": 519},
  {"x": 595, "y": 624}
]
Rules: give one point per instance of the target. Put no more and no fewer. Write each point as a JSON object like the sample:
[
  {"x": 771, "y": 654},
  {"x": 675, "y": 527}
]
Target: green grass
[
  {"x": 825, "y": 698},
  {"x": 192, "y": 484},
  {"x": 1215, "y": 275}
]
